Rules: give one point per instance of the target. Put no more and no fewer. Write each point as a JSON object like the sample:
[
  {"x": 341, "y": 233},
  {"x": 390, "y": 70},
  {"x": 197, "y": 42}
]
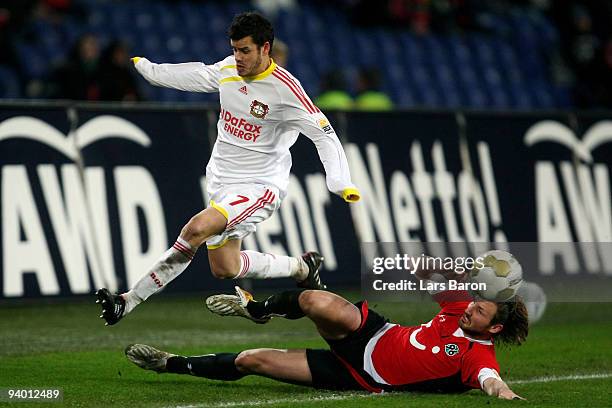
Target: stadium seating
[
  {"x": 472, "y": 70},
  {"x": 9, "y": 83}
]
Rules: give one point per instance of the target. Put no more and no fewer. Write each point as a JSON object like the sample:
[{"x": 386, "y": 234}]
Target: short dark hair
[
  {"x": 515, "y": 319},
  {"x": 253, "y": 24}
]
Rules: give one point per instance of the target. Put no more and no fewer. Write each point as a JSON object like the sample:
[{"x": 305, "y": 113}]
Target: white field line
[
  {"x": 259, "y": 403},
  {"x": 576, "y": 377},
  {"x": 347, "y": 396}
]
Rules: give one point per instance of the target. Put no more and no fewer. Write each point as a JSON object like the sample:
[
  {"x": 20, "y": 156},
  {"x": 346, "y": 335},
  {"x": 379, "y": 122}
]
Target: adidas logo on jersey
[{"x": 244, "y": 90}]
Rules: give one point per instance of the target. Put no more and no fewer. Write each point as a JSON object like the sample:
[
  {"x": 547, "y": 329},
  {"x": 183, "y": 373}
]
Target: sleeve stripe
[
  {"x": 296, "y": 90},
  {"x": 299, "y": 87}
]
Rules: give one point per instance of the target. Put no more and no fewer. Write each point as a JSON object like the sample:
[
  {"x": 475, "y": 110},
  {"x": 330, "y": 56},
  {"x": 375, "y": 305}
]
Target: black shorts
[{"x": 341, "y": 367}]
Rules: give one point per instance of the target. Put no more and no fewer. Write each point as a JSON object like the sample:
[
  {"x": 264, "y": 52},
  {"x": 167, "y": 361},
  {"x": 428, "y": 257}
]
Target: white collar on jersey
[{"x": 459, "y": 333}]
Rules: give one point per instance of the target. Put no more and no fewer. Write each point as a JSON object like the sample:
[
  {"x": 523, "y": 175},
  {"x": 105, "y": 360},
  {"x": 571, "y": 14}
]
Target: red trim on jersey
[
  {"x": 268, "y": 197},
  {"x": 357, "y": 376},
  {"x": 364, "y": 314},
  {"x": 296, "y": 91},
  {"x": 301, "y": 99},
  {"x": 299, "y": 87}
]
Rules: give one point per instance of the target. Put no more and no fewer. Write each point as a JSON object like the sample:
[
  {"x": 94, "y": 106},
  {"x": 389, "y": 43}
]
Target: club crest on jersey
[
  {"x": 451, "y": 349},
  {"x": 259, "y": 110}
]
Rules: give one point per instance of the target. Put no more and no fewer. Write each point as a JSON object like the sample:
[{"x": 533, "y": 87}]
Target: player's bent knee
[
  {"x": 195, "y": 231},
  {"x": 223, "y": 272},
  {"x": 195, "y": 236},
  {"x": 199, "y": 228},
  {"x": 314, "y": 301}
]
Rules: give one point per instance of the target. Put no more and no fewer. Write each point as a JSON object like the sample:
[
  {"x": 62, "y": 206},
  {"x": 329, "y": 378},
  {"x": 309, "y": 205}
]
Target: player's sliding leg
[
  {"x": 283, "y": 365},
  {"x": 171, "y": 264},
  {"x": 334, "y": 316},
  {"x": 227, "y": 261}
]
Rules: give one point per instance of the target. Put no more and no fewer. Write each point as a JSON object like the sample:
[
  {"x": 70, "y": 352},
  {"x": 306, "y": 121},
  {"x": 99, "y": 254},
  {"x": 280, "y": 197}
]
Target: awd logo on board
[
  {"x": 573, "y": 197},
  {"x": 73, "y": 213}
]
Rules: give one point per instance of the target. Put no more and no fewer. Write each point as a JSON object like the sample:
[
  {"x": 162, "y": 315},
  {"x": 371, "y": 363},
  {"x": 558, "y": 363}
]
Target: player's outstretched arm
[
  {"x": 189, "y": 76},
  {"x": 499, "y": 389},
  {"x": 301, "y": 114},
  {"x": 331, "y": 153}
]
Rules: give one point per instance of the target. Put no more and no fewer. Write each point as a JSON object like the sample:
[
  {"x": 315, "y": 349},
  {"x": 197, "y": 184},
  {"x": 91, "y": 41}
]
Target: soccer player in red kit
[{"x": 453, "y": 352}]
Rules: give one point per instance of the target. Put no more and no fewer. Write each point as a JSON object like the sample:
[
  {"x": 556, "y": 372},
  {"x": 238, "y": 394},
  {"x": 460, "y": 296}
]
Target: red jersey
[{"x": 436, "y": 352}]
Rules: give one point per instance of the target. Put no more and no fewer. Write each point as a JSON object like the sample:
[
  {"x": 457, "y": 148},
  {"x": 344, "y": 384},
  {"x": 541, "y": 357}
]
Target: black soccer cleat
[
  {"x": 113, "y": 306},
  {"x": 314, "y": 260}
]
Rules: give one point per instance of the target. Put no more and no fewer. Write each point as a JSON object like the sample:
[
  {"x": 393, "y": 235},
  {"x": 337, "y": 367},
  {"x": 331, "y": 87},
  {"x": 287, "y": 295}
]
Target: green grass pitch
[{"x": 64, "y": 344}]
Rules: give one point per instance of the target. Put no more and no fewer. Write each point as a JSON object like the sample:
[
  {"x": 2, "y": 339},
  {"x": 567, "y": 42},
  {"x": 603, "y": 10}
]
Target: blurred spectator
[
  {"x": 601, "y": 78},
  {"x": 79, "y": 77},
  {"x": 369, "y": 96},
  {"x": 280, "y": 52},
  {"x": 584, "y": 29},
  {"x": 583, "y": 49},
  {"x": 13, "y": 14},
  {"x": 413, "y": 13},
  {"x": 333, "y": 92},
  {"x": 117, "y": 82},
  {"x": 271, "y": 8},
  {"x": 449, "y": 16},
  {"x": 584, "y": 44}
]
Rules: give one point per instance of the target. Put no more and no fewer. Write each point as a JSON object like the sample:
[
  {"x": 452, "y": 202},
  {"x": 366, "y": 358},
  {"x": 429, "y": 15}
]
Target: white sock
[
  {"x": 171, "y": 264},
  {"x": 257, "y": 265},
  {"x": 131, "y": 301}
]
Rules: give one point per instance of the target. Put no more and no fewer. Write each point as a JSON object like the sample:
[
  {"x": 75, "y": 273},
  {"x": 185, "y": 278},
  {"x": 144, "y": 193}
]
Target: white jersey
[{"x": 261, "y": 118}]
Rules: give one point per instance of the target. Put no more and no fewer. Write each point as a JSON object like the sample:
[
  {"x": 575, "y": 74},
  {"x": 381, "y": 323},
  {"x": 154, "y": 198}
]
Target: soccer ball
[{"x": 501, "y": 274}]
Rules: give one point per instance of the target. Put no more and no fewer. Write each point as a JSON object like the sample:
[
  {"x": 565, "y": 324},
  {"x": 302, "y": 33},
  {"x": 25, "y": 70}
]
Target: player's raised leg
[
  {"x": 284, "y": 365},
  {"x": 245, "y": 206},
  {"x": 228, "y": 261},
  {"x": 334, "y": 316},
  {"x": 171, "y": 264}
]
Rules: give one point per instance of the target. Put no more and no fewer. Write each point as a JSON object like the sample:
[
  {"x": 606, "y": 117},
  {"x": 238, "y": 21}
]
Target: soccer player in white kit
[{"x": 263, "y": 110}]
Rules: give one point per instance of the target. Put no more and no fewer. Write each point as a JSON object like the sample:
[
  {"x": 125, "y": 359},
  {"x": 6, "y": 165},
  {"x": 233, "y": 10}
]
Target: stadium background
[{"x": 499, "y": 126}]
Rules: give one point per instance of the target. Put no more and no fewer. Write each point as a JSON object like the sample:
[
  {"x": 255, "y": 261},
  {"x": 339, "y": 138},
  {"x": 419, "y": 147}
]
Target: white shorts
[{"x": 244, "y": 206}]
